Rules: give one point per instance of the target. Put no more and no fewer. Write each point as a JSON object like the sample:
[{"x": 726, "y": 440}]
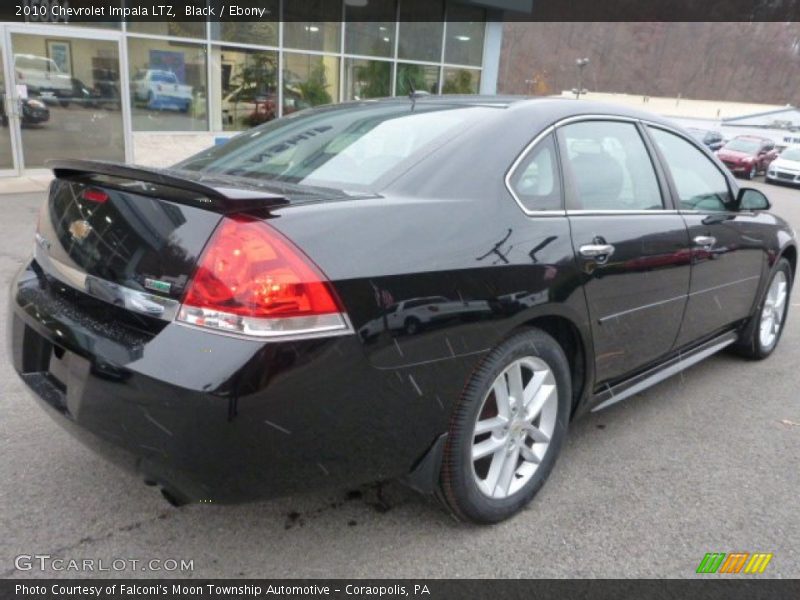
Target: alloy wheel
[
  {"x": 773, "y": 311},
  {"x": 514, "y": 426}
]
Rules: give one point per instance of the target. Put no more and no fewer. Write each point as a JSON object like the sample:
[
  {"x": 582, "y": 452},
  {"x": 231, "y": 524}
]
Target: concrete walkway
[{"x": 24, "y": 185}]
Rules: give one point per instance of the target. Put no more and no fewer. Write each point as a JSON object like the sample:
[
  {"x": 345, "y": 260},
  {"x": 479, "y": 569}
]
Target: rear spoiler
[{"x": 185, "y": 187}]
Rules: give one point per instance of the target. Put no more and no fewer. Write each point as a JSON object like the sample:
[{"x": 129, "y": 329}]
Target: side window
[
  {"x": 536, "y": 180},
  {"x": 610, "y": 167},
  {"x": 700, "y": 184}
]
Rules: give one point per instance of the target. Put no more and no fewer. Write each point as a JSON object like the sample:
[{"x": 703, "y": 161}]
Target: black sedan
[{"x": 200, "y": 324}]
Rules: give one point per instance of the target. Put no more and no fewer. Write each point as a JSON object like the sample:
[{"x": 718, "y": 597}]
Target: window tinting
[
  {"x": 536, "y": 180},
  {"x": 609, "y": 166},
  {"x": 700, "y": 184}
]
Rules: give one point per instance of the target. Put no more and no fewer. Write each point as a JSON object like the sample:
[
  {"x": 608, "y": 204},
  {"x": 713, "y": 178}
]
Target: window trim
[
  {"x": 656, "y": 157},
  {"x": 559, "y": 174}
]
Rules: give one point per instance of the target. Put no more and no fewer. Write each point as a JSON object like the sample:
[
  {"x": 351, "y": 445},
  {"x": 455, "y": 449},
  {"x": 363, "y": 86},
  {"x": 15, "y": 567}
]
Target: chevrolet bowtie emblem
[{"x": 80, "y": 230}]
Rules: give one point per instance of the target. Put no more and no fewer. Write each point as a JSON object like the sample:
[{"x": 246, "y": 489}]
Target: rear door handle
[
  {"x": 706, "y": 241},
  {"x": 600, "y": 252}
]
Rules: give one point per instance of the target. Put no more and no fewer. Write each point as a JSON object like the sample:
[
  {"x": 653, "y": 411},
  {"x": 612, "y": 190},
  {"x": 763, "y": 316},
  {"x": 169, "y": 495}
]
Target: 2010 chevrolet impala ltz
[{"x": 424, "y": 288}]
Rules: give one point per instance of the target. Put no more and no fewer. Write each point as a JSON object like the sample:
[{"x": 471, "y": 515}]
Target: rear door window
[{"x": 609, "y": 166}]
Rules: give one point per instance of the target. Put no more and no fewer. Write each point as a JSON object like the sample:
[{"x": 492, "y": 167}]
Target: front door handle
[
  {"x": 705, "y": 241},
  {"x": 599, "y": 252}
]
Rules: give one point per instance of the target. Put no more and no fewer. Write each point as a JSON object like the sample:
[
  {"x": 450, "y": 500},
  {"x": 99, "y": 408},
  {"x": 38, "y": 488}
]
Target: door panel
[
  {"x": 633, "y": 250},
  {"x": 636, "y": 299},
  {"x": 725, "y": 274},
  {"x": 728, "y": 246}
]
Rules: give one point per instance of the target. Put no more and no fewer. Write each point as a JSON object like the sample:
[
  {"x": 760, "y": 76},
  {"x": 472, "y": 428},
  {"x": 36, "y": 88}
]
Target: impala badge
[{"x": 80, "y": 230}]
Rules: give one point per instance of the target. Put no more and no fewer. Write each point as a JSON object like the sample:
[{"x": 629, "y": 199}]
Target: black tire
[
  {"x": 458, "y": 488},
  {"x": 749, "y": 343},
  {"x": 412, "y": 325}
]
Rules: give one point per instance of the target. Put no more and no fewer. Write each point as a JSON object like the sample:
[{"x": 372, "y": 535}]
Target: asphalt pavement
[{"x": 704, "y": 462}]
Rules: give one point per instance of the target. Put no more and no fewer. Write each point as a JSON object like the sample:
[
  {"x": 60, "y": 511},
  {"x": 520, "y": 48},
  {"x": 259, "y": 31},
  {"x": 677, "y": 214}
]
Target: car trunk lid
[{"x": 132, "y": 236}]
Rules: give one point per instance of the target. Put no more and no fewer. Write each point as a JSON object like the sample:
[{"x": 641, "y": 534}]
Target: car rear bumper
[{"x": 210, "y": 417}]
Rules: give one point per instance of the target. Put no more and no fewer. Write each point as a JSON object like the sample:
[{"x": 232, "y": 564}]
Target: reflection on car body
[{"x": 415, "y": 314}]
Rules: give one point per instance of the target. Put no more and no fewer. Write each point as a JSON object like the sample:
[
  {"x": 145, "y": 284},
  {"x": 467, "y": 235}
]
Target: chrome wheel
[
  {"x": 514, "y": 426},
  {"x": 773, "y": 311}
]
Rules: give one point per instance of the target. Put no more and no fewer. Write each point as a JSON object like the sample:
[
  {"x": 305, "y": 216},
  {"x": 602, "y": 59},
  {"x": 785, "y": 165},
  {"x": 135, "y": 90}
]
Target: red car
[{"x": 748, "y": 155}]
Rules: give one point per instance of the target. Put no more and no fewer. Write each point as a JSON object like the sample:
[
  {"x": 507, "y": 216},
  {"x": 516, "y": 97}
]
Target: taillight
[{"x": 251, "y": 280}]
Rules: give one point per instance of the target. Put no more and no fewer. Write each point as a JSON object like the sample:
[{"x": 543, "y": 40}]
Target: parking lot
[{"x": 704, "y": 462}]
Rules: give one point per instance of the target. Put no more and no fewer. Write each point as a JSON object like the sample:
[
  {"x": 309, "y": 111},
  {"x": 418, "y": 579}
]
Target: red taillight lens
[
  {"x": 92, "y": 195},
  {"x": 251, "y": 280}
]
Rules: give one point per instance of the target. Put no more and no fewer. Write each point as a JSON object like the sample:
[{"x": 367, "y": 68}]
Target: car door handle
[
  {"x": 600, "y": 252},
  {"x": 706, "y": 241}
]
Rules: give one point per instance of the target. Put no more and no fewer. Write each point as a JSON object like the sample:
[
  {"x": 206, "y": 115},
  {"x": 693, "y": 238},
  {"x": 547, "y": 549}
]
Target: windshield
[
  {"x": 742, "y": 145},
  {"x": 346, "y": 147},
  {"x": 34, "y": 63},
  {"x": 791, "y": 154}
]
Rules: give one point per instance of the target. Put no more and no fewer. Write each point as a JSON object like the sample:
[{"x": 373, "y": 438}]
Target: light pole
[{"x": 581, "y": 64}]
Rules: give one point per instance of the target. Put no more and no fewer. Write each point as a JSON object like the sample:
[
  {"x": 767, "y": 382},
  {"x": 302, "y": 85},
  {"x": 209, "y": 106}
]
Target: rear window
[{"x": 346, "y": 147}]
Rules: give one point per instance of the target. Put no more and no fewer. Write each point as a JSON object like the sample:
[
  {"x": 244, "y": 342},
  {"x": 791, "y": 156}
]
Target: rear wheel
[
  {"x": 762, "y": 333},
  {"x": 507, "y": 429}
]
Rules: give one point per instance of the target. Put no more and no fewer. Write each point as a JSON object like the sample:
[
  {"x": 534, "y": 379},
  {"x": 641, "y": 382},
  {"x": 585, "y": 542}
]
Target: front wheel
[
  {"x": 507, "y": 429},
  {"x": 762, "y": 333}
]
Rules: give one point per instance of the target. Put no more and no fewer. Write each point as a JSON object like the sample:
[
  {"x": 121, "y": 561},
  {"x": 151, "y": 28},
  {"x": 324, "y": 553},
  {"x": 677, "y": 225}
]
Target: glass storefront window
[
  {"x": 370, "y": 27},
  {"x": 421, "y": 39},
  {"x": 247, "y": 86},
  {"x": 260, "y": 33},
  {"x": 464, "y": 43},
  {"x": 69, "y": 98},
  {"x": 461, "y": 81},
  {"x": 168, "y": 85},
  {"x": 423, "y": 78},
  {"x": 367, "y": 78},
  {"x": 186, "y": 29},
  {"x": 312, "y": 25},
  {"x": 309, "y": 80}
]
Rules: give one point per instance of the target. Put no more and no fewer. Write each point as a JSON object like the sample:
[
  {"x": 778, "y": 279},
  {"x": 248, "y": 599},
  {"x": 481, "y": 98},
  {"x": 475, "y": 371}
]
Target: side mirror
[{"x": 752, "y": 199}]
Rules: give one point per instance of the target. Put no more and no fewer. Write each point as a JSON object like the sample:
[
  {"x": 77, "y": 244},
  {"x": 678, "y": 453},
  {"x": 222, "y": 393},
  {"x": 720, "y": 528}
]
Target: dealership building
[{"x": 155, "y": 92}]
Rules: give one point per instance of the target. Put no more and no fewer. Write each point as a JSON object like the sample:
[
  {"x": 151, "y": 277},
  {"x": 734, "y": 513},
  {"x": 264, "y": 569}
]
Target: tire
[
  {"x": 412, "y": 325},
  {"x": 755, "y": 341},
  {"x": 465, "y": 484}
]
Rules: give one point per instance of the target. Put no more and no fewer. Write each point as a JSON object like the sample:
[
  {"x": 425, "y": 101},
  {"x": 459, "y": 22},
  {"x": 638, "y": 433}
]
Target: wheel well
[
  {"x": 791, "y": 255},
  {"x": 566, "y": 334}
]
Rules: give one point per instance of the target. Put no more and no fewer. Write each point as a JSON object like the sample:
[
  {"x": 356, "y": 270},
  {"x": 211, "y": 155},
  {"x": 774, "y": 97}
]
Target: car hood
[
  {"x": 786, "y": 165},
  {"x": 733, "y": 154}
]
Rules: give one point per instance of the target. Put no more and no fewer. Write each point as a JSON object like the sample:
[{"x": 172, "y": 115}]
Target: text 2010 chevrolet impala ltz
[{"x": 421, "y": 288}]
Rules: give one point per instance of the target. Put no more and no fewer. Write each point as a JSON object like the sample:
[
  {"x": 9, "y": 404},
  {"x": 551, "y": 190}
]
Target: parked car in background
[
  {"x": 412, "y": 315},
  {"x": 748, "y": 155},
  {"x": 247, "y": 106},
  {"x": 785, "y": 168},
  {"x": 200, "y": 324},
  {"x": 32, "y": 111},
  {"x": 158, "y": 89},
  {"x": 42, "y": 77},
  {"x": 712, "y": 139}
]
